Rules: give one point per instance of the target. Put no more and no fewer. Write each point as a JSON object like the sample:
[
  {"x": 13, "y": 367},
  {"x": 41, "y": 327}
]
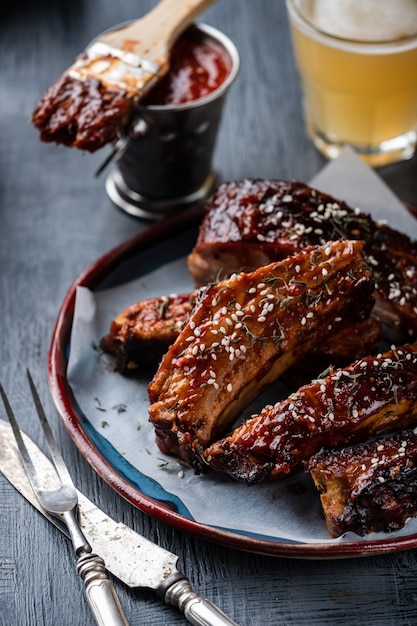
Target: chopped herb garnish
[
  {"x": 98, "y": 405},
  {"x": 278, "y": 338},
  {"x": 163, "y": 463},
  {"x": 325, "y": 372},
  {"x": 120, "y": 408}
]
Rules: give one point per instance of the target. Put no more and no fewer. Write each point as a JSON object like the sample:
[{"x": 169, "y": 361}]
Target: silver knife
[{"x": 131, "y": 558}]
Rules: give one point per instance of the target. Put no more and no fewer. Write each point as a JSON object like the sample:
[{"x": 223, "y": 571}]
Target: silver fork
[{"x": 62, "y": 503}]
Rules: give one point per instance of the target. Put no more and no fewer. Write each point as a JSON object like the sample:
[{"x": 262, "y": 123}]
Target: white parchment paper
[{"x": 117, "y": 407}]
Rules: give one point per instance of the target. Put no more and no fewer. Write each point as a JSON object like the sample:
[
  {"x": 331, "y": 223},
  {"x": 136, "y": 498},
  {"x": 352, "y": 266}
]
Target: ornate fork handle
[
  {"x": 100, "y": 592},
  {"x": 62, "y": 503}
]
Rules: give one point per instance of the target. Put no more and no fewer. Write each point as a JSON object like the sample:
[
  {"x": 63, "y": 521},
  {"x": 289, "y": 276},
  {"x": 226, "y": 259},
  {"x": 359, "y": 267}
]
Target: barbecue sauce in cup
[
  {"x": 198, "y": 66},
  {"x": 87, "y": 115}
]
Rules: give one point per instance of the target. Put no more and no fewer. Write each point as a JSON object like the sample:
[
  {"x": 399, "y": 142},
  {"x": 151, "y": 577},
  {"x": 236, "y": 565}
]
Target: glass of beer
[{"x": 357, "y": 61}]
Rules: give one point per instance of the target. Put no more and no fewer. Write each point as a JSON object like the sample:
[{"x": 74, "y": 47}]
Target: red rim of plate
[{"x": 67, "y": 407}]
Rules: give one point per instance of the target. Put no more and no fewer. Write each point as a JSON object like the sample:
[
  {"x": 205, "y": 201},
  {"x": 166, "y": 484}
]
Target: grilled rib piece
[
  {"x": 368, "y": 487},
  {"x": 250, "y": 223},
  {"x": 244, "y": 333},
  {"x": 353, "y": 342},
  {"x": 84, "y": 114},
  {"x": 373, "y": 395},
  {"x": 143, "y": 332}
]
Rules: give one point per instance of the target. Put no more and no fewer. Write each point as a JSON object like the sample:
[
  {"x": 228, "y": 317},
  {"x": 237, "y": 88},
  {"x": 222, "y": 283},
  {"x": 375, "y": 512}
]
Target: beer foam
[{"x": 362, "y": 20}]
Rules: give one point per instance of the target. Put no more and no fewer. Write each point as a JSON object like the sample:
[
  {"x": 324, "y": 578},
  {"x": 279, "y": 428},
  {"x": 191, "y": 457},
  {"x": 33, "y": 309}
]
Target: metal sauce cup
[{"x": 167, "y": 165}]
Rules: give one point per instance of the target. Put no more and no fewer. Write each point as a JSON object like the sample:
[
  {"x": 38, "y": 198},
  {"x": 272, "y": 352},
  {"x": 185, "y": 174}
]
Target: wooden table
[{"x": 55, "y": 219}]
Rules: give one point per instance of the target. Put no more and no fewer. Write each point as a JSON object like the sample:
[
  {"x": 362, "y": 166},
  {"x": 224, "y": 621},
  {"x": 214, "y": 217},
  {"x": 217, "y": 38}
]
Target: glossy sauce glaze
[
  {"x": 244, "y": 333},
  {"x": 368, "y": 487},
  {"x": 256, "y": 221},
  {"x": 198, "y": 66},
  {"x": 143, "y": 332},
  {"x": 373, "y": 395},
  {"x": 81, "y": 114}
]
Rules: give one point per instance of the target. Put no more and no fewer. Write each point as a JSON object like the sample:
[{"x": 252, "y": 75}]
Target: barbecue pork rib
[
  {"x": 368, "y": 487},
  {"x": 253, "y": 222},
  {"x": 373, "y": 395},
  {"x": 141, "y": 334},
  {"x": 244, "y": 332}
]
